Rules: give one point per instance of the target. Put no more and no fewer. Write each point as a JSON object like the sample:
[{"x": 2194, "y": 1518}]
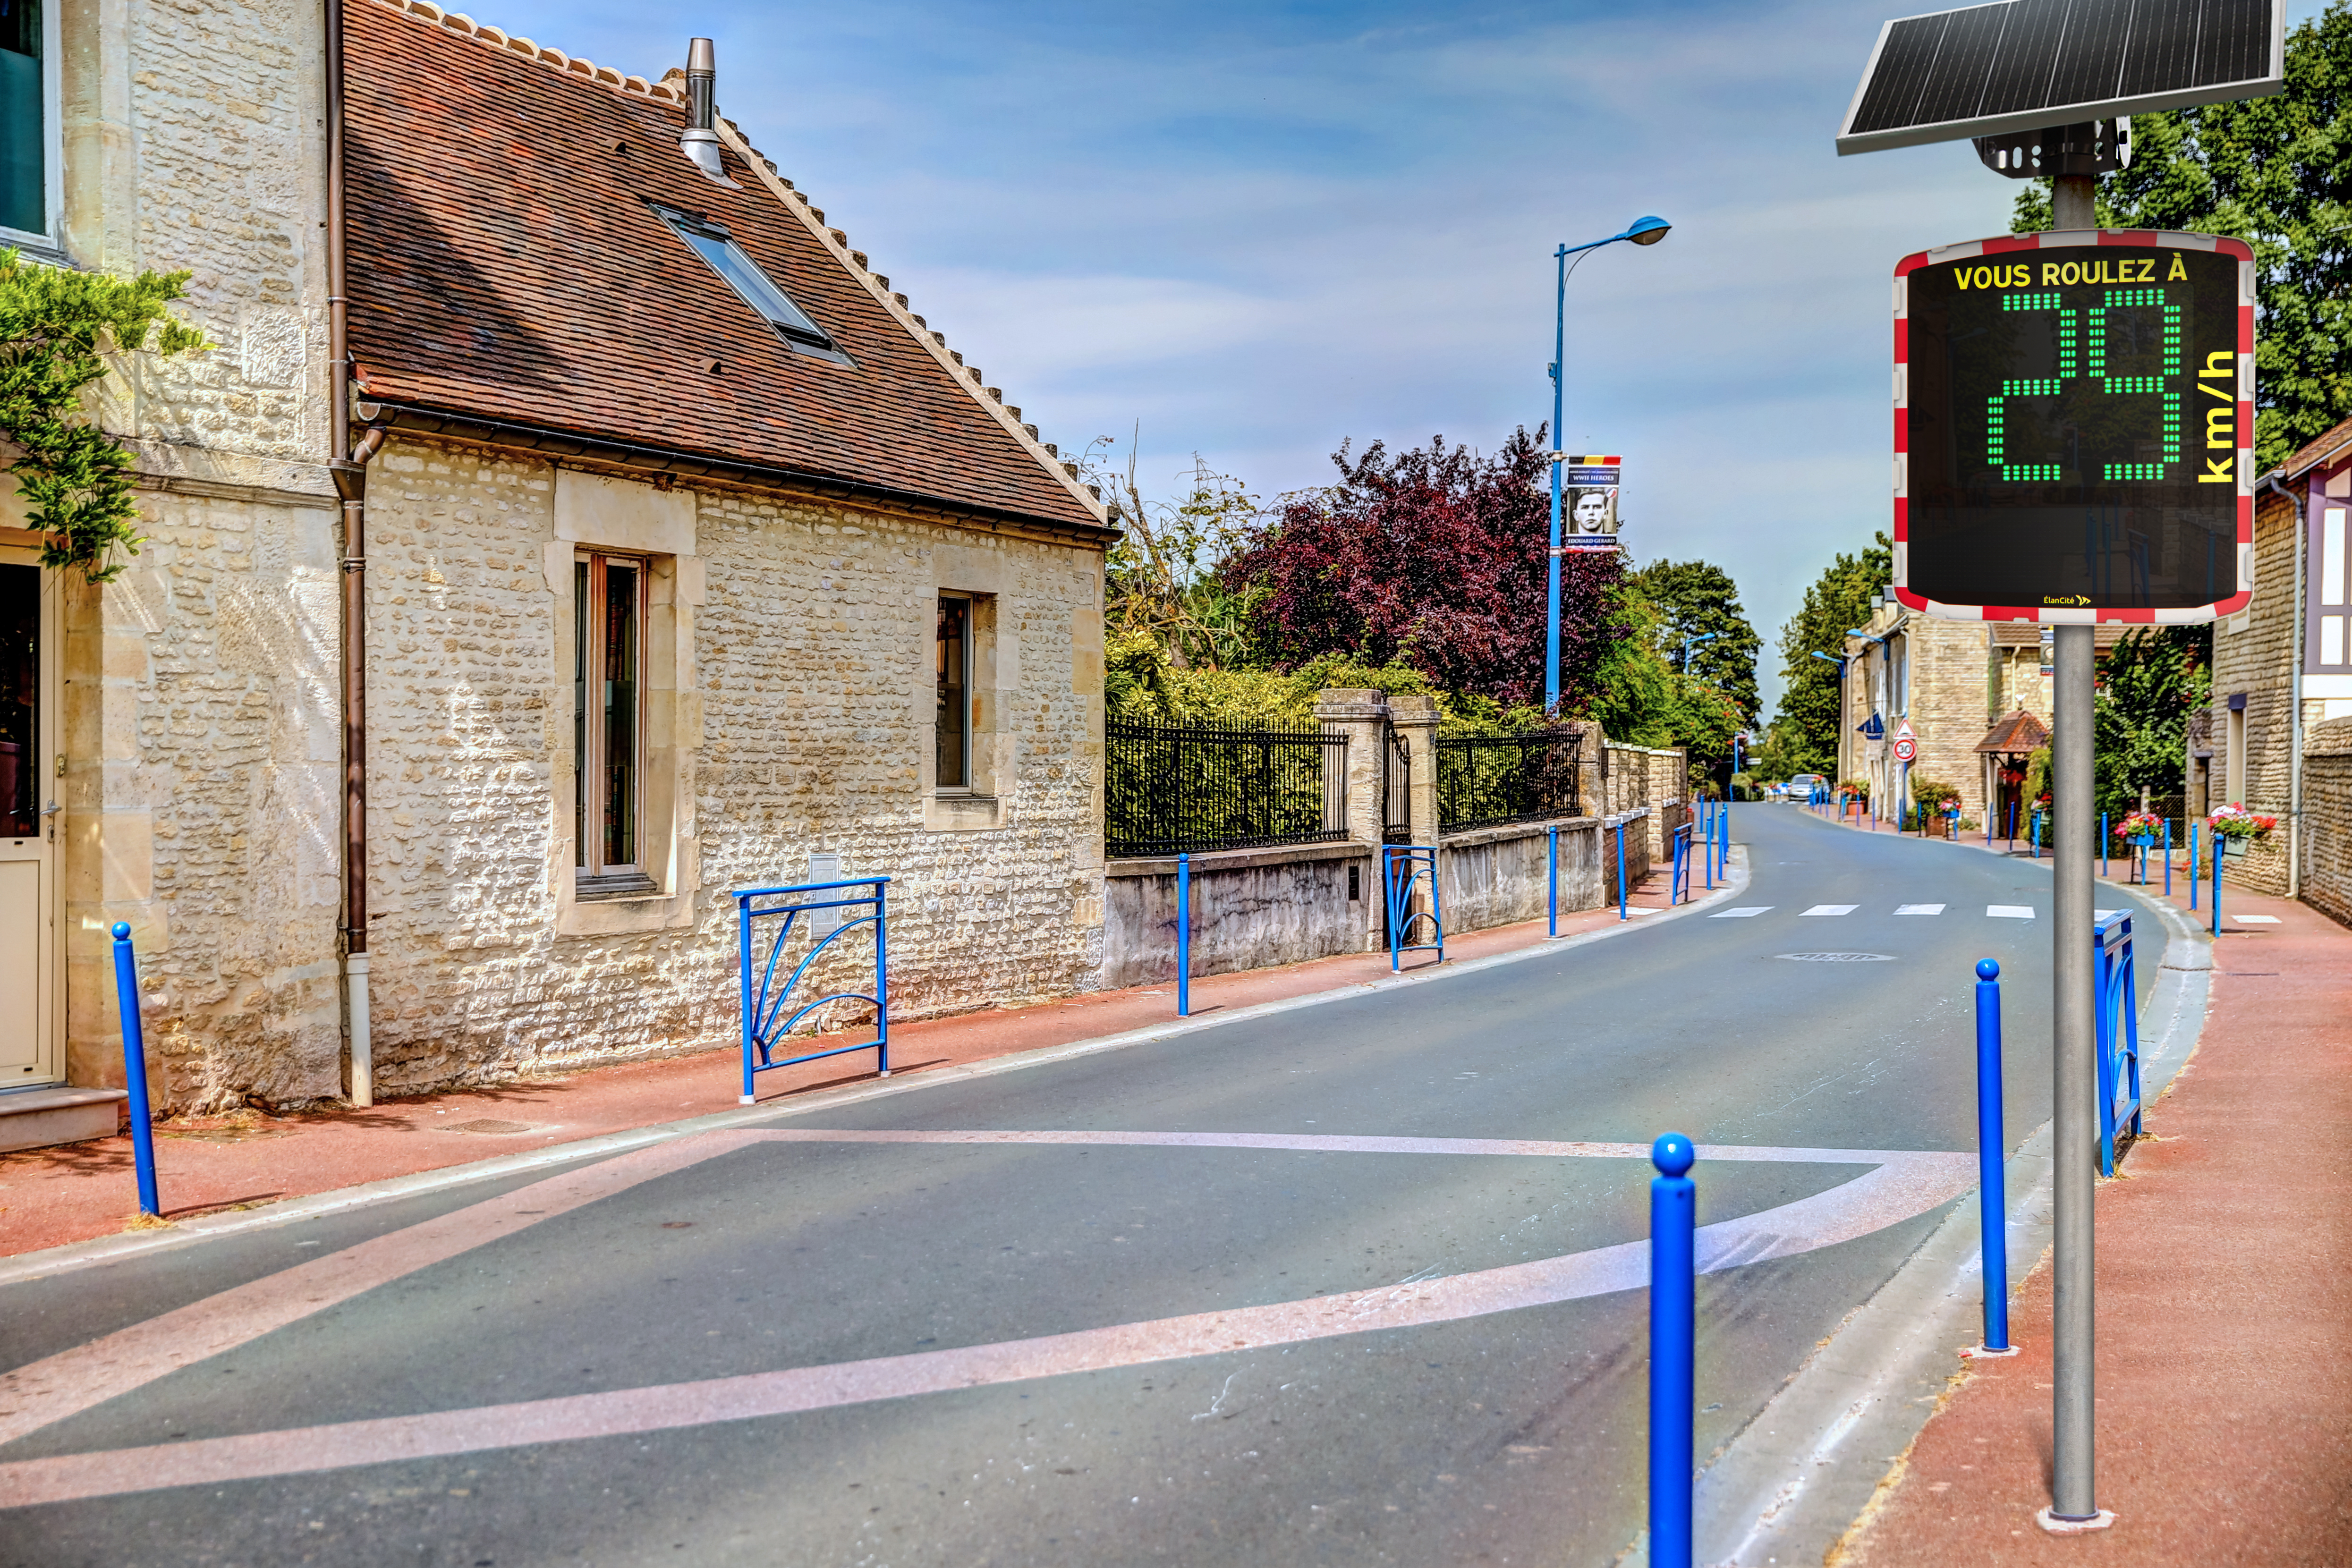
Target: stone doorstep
[{"x": 37, "y": 1118}]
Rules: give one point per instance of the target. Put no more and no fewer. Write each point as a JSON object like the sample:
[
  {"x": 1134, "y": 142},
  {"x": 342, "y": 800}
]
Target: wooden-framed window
[
  {"x": 953, "y": 660},
  {"x": 608, "y": 722}
]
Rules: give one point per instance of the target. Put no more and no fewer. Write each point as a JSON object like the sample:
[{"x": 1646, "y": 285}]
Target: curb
[{"x": 114, "y": 1249}]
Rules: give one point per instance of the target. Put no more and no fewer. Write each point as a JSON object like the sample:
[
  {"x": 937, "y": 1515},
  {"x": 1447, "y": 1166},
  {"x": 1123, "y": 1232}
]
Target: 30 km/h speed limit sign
[
  {"x": 2074, "y": 428},
  {"x": 1907, "y": 743}
]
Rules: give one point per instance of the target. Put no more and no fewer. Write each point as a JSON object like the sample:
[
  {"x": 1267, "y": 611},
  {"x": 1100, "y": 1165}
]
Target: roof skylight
[{"x": 718, "y": 247}]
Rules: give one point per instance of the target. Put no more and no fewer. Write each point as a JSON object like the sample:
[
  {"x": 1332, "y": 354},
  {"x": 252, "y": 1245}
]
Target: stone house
[
  {"x": 2282, "y": 667},
  {"x": 1976, "y": 693},
  {"x": 655, "y": 548}
]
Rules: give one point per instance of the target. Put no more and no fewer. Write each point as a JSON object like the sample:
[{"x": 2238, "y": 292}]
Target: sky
[{"x": 1254, "y": 231}]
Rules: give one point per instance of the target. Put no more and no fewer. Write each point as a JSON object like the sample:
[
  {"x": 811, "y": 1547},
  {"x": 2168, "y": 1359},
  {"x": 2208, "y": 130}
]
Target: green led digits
[
  {"x": 2169, "y": 425},
  {"x": 2090, "y": 348},
  {"x": 2030, "y": 386}
]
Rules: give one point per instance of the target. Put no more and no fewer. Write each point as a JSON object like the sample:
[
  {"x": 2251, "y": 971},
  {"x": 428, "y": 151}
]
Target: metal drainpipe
[
  {"x": 349, "y": 467},
  {"x": 2294, "y": 694}
]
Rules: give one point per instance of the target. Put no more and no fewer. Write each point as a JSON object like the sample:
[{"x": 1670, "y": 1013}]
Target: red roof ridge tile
[{"x": 796, "y": 201}]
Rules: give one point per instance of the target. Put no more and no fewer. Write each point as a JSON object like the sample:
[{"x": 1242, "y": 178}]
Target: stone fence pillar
[
  {"x": 1415, "y": 720},
  {"x": 1362, "y": 715}
]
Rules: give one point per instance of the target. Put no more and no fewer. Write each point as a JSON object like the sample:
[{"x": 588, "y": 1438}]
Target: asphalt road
[{"x": 1191, "y": 1365}]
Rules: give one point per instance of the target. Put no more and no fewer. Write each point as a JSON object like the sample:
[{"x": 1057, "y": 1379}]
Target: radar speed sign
[{"x": 2074, "y": 428}]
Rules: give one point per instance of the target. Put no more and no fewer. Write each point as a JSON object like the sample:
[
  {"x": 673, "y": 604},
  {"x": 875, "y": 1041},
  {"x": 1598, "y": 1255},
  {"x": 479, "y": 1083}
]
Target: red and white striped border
[{"x": 2069, "y": 238}]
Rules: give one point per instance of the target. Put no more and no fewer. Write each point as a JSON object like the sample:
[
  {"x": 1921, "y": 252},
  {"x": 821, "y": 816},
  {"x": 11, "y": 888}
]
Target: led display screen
[{"x": 2072, "y": 420}]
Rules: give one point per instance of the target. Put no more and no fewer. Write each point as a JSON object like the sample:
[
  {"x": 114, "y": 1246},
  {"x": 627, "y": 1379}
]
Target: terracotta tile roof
[
  {"x": 503, "y": 266},
  {"x": 2015, "y": 734},
  {"x": 2319, "y": 451}
]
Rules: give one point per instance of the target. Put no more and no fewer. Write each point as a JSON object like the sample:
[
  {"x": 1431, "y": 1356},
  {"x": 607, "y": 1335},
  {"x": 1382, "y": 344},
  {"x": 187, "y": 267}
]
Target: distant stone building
[
  {"x": 1975, "y": 693},
  {"x": 693, "y": 558}
]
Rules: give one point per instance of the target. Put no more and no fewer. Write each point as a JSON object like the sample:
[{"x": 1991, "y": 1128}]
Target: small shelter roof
[{"x": 2015, "y": 734}]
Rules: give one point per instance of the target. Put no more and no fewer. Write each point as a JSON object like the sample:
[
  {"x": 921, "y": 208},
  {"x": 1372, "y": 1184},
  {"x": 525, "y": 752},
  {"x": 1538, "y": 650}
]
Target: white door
[{"x": 30, "y": 1051}]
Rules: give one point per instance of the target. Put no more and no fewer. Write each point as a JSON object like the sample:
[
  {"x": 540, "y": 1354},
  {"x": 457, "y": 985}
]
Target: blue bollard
[
  {"x": 2034, "y": 835},
  {"x": 1992, "y": 1192},
  {"x": 2012, "y": 821},
  {"x": 1183, "y": 937},
  {"x": 1551, "y": 885},
  {"x": 2168, "y": 857},
  {"x": 2104, "y": 842},
  {"x": 1621, "y": 871},
  {"x": 1674, "y": 1332},
  {"x": 2221, "y": 853},
  {"x": 134, "y": 1066}
]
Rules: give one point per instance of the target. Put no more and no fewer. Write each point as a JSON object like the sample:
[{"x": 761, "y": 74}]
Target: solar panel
[{"x": 2022, "y": 64}]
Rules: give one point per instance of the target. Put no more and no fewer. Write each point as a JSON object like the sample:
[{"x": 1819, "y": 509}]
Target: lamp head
[
  {"x": 1831, "y": 657},
  {"x": 1647, "y": 231}
]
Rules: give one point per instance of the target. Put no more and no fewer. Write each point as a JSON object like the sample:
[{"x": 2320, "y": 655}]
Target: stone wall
[
  {"x": 1645, "y": 779},
  {"x": 1251, "y": 909},
  {"x": 1498, "y": 876},
  {"x": 192, "y": 142},
  {"x": 2328, "y": 815},
  {"x": 202, "y": 741},
  {"x": 2251, "y": 655}
]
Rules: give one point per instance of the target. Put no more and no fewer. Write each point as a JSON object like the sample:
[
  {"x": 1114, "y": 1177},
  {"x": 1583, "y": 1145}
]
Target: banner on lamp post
[{"x": 1587, "y": 503}]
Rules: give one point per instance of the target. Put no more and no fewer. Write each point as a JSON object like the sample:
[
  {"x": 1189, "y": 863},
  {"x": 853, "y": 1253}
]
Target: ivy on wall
[{"x": 61, "y": 331}]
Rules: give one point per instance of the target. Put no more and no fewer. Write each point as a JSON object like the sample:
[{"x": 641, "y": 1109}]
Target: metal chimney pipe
[
  {"x": 699, "y": 141},
  {"x": 701, "y": 83}
]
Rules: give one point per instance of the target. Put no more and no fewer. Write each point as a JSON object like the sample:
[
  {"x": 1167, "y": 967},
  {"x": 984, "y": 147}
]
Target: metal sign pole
[{"x": 2073, "y": 1061}]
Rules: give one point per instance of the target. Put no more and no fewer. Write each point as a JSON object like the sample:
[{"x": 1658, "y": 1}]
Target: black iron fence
[
  {"x": 1486, "y": 779},
  {"x": 1171, "y": 790}
]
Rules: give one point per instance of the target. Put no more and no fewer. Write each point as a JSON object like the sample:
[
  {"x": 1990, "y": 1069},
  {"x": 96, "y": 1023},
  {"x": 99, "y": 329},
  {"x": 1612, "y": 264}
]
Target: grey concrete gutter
[{"x": 186, "y": 1232}]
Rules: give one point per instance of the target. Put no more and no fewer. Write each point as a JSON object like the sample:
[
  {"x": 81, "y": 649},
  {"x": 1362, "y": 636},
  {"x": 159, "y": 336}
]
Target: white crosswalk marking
[
  {"x": 1739, "y": 914},
  {"x": 2009, "y": 911},
  {"x": 1832, "y": 909},
  {"x": 1919, "y": 909}
]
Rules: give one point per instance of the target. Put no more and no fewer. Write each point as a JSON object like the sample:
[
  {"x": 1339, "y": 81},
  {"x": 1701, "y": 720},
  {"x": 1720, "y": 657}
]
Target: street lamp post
[
  {"x": 1641, "y": 230},
  {"x": 1695, "y": 637},
  {"x": 1839, "y": 763}
]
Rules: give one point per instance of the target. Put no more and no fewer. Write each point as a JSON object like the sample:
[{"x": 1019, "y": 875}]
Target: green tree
[
  {"x": 2148, "y": 684},
  {"x": 1641, "y": 699},
  {"x": 1159, "y": 581},
  {"x": 2277, "y": 173},
  {"x": 1699, "y": 596},
  {"x": 1805, "y": 731},
  {"x": 61, "y": 331}
]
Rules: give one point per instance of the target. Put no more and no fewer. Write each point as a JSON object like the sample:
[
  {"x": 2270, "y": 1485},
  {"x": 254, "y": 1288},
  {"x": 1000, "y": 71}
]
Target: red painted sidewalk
[
  {"x": 209, "y": 1165},
  {"x": 2224, "y": 1309}
]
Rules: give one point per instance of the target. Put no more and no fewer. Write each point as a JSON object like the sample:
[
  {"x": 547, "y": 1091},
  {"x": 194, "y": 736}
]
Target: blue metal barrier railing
[
  {"x": 2116, "y": 1008},
  {"x": 1678, "y": 871},
  {"x": 1403, "y": 868},
  {"x": 764, "y": 1023}
]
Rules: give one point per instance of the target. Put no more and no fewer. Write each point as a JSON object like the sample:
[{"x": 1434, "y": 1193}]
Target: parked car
[{"x": 1800, "y": 786}]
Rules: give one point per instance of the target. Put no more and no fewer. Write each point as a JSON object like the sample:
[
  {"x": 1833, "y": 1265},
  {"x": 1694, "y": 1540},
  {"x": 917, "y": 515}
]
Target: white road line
[
  {"x": 2009, "y": 911},
  {"x": 1752, "y": 910},
  {"x": 1902, "y": 1185},
  {"x": 1829, "y": 909},
  {"x": 1919, "y": 909}
]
